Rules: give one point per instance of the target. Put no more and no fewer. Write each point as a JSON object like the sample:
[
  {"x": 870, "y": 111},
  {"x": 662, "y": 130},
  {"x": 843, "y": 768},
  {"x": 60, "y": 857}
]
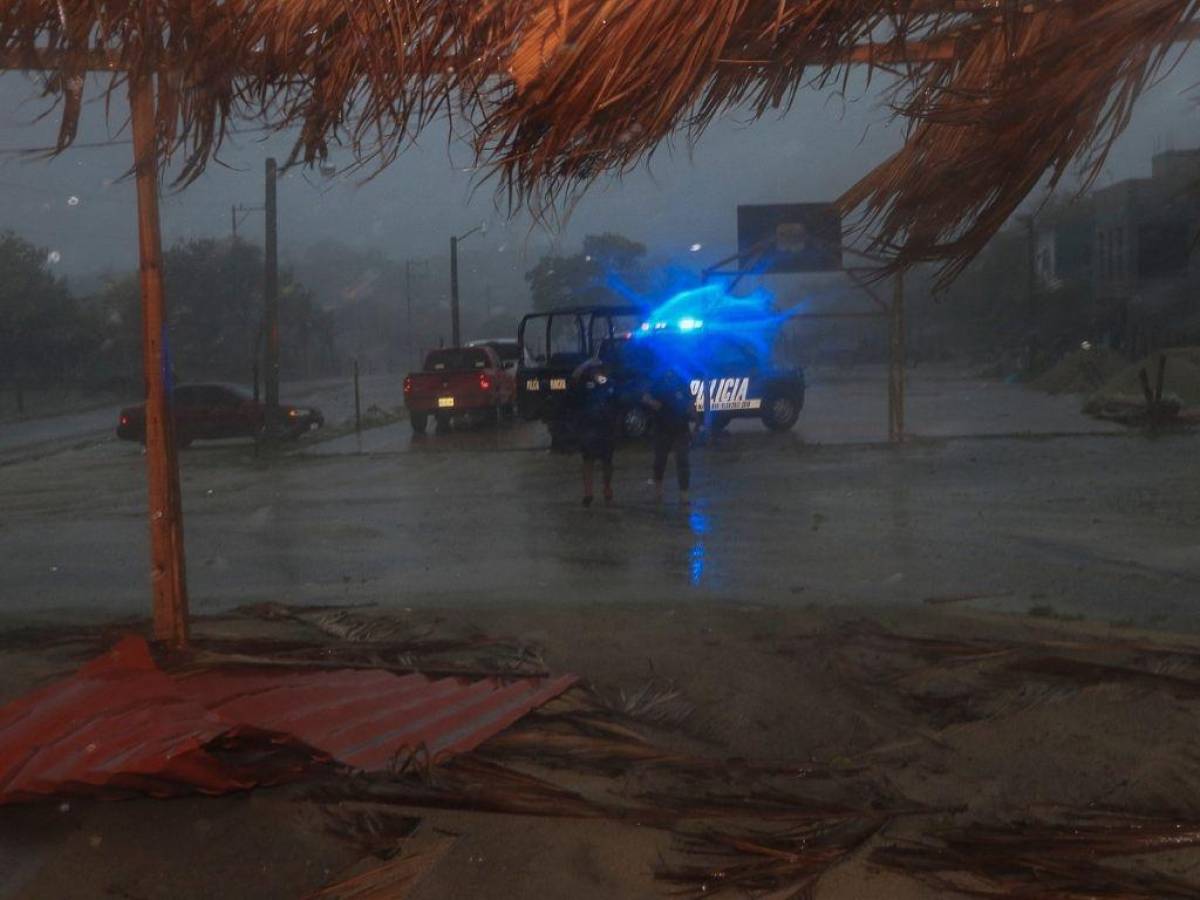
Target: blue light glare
[{"x": 698, "y": 555}]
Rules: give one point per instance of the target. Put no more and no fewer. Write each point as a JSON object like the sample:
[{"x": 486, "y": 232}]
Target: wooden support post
[{"x": 168, "y": 578}]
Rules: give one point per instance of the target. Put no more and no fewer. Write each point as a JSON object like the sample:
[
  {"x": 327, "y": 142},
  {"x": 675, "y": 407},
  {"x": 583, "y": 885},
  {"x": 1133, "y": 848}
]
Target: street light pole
[
  {"x": 409, "y": 265},
  {"x": 454, "y": 323},
  {"x": 455, "y": 330}
]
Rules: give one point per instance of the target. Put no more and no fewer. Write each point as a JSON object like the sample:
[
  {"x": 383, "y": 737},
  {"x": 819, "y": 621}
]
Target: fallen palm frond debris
[
  {"x": 789, "y": 862},
  {"x": 1059, "y": 861},
  {"x": 374, "y": 642},
  {"x": 468, "y": 783},
  {"x": 375, "y": 829},
  {"x": 1083, "y": 672},
  {"x": 390, "y": 880},
  {"x": 657, "y": 702},
  {"x": 581, "y": 731}
]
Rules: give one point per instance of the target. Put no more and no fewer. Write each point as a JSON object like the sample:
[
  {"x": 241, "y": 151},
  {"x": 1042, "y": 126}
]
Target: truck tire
[
  {"x": 419, "y": 422},
  {"x": 780, "y": 412}
]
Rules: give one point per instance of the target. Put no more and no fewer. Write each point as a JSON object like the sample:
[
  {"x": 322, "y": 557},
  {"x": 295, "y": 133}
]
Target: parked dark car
[{"x": 216, "y": 411}]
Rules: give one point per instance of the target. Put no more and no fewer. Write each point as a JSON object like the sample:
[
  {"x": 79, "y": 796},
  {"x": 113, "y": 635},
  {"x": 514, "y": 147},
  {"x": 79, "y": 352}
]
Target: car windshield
[{"x": 456, "y": 360}]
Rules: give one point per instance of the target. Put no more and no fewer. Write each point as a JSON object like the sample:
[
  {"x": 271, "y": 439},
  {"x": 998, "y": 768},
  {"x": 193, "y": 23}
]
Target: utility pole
[
  {"x": 233, "y": 220},
  {"x": 455, "y": 330},
  {"x": 271, "y": 300},
  {"x": 167, "y": 576},
  {"x": 454, "y": 326},
  {"x": 409, "y": 265}
]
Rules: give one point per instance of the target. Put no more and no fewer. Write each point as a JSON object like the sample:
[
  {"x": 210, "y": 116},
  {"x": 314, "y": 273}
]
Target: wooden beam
[{"x": 167, "y": 577}]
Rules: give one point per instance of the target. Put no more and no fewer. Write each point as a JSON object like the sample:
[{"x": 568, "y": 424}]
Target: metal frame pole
[
  {"x": 896, "y": 362},
  {"x": 168, "y": 577},
  {"x": 271, "y": 301}
]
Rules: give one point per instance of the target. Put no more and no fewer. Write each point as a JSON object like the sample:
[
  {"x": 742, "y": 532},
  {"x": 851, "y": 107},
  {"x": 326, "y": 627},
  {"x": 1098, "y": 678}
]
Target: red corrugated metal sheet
[
  {"x": 123, "y": 723},
  {"x": 364, "y": 718}
]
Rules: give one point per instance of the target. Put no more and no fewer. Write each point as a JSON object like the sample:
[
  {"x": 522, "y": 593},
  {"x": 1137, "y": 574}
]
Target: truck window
[
  {"x": 533, "y": 340},
  {"x": 456, "y": 360},
  {"x": 567, "y": 346}
]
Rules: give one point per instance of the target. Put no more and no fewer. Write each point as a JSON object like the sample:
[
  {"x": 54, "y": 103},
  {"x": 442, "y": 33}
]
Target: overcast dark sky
[{"x": 76, "y": 205}]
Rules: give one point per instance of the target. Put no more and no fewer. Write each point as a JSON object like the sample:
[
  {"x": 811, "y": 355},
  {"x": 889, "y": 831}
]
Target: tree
[
  {"x": 215, "y": 326},
  {"x": 595, "y": 275},
  {"x": 42, "y": 331}
]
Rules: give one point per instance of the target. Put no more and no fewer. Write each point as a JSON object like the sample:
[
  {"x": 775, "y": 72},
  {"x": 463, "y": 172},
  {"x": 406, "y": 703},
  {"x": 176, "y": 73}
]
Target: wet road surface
[{"x": 1106, "y": 526}]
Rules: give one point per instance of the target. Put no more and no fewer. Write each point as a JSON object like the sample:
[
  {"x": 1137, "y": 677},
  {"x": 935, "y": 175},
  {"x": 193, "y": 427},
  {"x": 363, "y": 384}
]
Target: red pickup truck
[{"x": 459, "y": 381}]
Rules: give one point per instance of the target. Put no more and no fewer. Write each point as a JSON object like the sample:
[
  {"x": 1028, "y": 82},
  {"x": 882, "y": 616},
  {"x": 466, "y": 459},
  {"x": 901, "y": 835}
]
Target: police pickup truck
[
  {"x": 728, "y": 374},
  {"x": 552, "y": 345}
]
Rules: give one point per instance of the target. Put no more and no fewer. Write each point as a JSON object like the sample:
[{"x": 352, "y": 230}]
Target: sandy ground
[
  {"x": 792, "y": 607},
  {"x": 956, "y": 732}
]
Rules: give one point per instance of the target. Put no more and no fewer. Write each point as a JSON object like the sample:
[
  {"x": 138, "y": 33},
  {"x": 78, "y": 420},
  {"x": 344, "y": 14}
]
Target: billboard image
[{"x": 790, "y": 237}]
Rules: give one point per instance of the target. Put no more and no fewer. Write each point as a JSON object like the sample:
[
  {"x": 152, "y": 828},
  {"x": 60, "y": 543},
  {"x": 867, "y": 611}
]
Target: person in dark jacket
[
  {"x": 674, "y": 411},
  {"x": 594, "y": 417}
]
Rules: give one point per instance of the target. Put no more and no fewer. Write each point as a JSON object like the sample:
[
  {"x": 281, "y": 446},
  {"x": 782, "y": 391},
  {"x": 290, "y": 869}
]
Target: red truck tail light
[
  {"x": 408, "y": 384},
  {"x": 485, "y": 383},
  {"x": 124, "y": 419}
]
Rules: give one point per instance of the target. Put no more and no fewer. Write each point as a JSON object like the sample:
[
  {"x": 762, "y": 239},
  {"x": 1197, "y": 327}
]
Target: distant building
[
  {"x": 1145, "y": 234},
  {"x": 1135, "y": 242},
  {"x": 1064, "y": 248}
]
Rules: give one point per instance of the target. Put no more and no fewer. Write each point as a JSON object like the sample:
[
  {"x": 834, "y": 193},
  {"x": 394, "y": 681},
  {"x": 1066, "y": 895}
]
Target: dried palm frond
[
  {"x": 999, "y": 93},
  {"x": 788, "y": 863},
  {"x": 1016, "y": 104},
  {"x": 377, "y": 829},
  {"x": 468, "y": 783},
  {"x": 1086, "y": 836},
  {"x": 391, "y": 880},
  {"x": 1089, "y": 673},
  {"x": 1056, "y": 862},
  {"x": 657, "y": 702},
  {"x": 579, "y": 731}
]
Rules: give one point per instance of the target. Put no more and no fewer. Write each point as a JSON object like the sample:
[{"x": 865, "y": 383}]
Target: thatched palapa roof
[{"x": 998, "y": 93}]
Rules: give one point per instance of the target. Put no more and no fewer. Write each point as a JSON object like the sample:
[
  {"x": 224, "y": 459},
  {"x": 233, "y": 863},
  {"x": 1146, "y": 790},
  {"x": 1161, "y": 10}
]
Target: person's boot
[{"x": 658, "y": 492}]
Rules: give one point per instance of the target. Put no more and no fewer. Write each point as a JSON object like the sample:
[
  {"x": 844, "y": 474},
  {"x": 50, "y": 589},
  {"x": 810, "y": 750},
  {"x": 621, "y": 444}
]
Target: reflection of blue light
[
  {"x": 697, "y": 564},
  {"x": 697, "y": 557},
  {"x": 690, "y": 324}
]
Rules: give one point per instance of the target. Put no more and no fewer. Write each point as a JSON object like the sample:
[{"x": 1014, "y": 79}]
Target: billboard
[{"x": 790, "y": 237}]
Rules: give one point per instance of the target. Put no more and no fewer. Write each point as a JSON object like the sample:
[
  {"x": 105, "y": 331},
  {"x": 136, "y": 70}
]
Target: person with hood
[
  {"x": 595, "y": 418},
  {"x": 674, "y": 411}
]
